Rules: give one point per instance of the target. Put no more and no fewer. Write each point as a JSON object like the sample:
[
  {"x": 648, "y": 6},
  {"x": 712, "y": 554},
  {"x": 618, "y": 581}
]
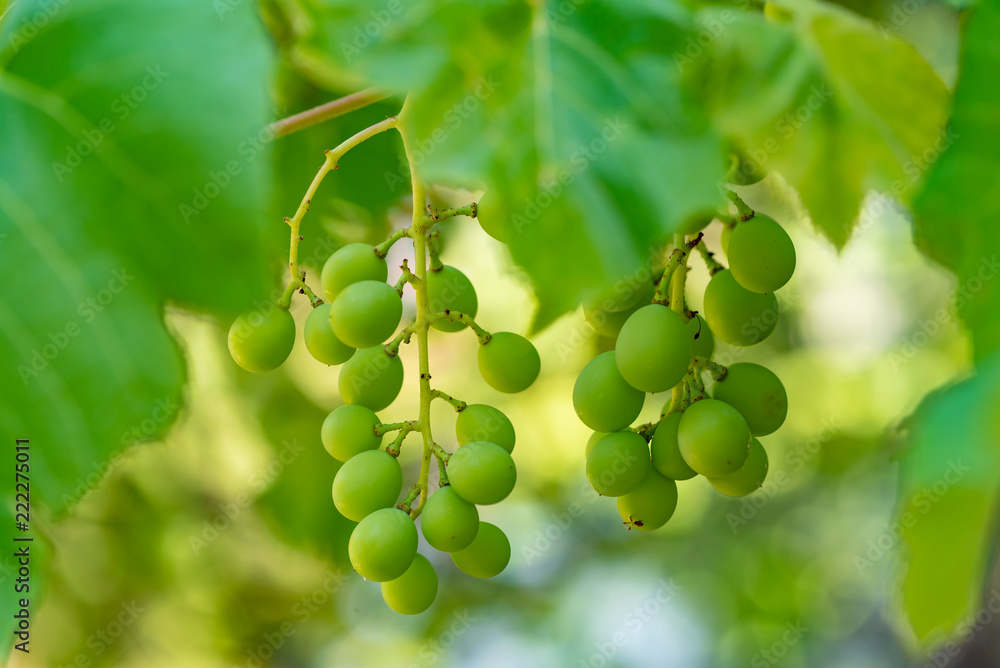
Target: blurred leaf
[
  {"x": 804, "y": 99},
  {"x": 128, "y": 179},
  {"x": 584, "y": 140},
  {"x": 957, "y": 212},
  {"x": 948, "y": 492}
]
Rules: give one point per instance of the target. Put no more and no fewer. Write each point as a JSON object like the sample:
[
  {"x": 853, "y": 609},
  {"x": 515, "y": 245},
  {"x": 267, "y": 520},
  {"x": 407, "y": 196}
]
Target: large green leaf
[
  {"x": 130, "y": 177},
  {"x": 956, "y": 214},
  {"x": 583, "y": 139},
  {"x": 948, "y": 499},
  {"x": 806, "y": 98}
]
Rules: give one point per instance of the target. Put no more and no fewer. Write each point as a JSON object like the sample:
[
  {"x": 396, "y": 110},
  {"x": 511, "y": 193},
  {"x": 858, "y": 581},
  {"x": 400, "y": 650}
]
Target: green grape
[
  {"x": 695, "y": 224},
  {"x": 482, "y": 473},
  {"x": 653, "y": 349},
  {"x": 761, "y": 255},
  {"x": 618, "y": 463},
  {"x": 383, "y": 545},
  {"x": 488, "y": 554},
  {"x": 727, "y": 233},
  {"x": 757, "y": 394},
  {"x": 490, "y": 218},
  {"x": 650, "y": 504},
  {"x": 713, "y": 438},
  {"x": 702, "y": 340},
  {"x": 626, "y": 294},
  {"x": 608, "y": 322},
  {"x": 749, "y": 478},
  {"x": 321, "y": 342},
  {"x": 367, "y": 482},
  {"x": 665, "y": 451},
  {"x": 592, "y": 441},
  {"x": 509, "y": 362},
  {"x": 602, "y": 398},
  {"x": 736, "y": 315},
  {"x": 351, "y": 264},
  {"x": 371, "y": 378},
  {"x": 366, "y": 313},
  {"x": 451, "y": 290},
  {"x": 259, "y": 341},
  {"x": 449, "y": 522},
  {"x": 479, "y": 422},
  {"x": 413, "y": 591},
  {"x": 350, "y": 430}
]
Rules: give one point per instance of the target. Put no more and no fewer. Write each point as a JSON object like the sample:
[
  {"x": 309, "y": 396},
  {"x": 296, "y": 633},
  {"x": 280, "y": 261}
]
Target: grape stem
[
  {"x": 714, "y": 266},
  {"x": 455, "y": 316},
  {"x": 743, "y": 211},
  {"x": 325, "y": 112},
  {"x": 383, "y": 429},
  {"x": 457, "y": 404},
  {"x": 716, "y": 370},
  {"x": 678, "y": 258},
  {"x": 404, "y": 336},
  {"x": 397, "y": 443},
  {"x": 404, "y": 278},
  {"x": 383, "y": 248},
  {"x": 332, "y": 157},
  {"x": 470, "y": 210}
]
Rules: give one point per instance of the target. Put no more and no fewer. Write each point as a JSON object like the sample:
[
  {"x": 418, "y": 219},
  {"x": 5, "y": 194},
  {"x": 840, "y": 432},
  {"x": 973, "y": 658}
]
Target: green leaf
[
  {"x": 131, "y": 176},
  {"x": 583, "y": 139},
  {"x": 950, "y": 478},
  {"x": 956, "y": 214},
  {"x": 804, "y": 99}
]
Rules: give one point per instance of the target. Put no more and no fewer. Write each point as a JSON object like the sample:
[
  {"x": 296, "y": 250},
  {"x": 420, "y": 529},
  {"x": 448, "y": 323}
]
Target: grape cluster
[
  {"x": 357, "y": 328},
  {"x": 660, "y": 345}
]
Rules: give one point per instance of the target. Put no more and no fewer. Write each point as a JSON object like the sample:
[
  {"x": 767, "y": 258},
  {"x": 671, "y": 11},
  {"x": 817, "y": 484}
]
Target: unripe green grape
[
  {"x": 727, "y": 233},
  {"x": 602, "y": 398},
  {"x": 666, "y": 454},
  {"x": 618, "y": 463},
  {"x": 626, "y": 294},
  {"x": 653, "y": 349},
  {"x": 320, "y": 340},
  {"x": 761, "y": 255},
  {"x": 479, "y": 422},
  {"x": 650, "y": 504},
  {"x": 451, "y": 290},
  {"x": 736, "y": 315},
  {"x": 371, "y": 378},
  {"x": 606, "y": 321},
  {"x": 260, "y": 342},
  {"x": 448, "y": 521},
  {"x": 366, "y": 313},
  {"x": 749, "y": 478},
  {"x": 509, "y": 362},
  {"x": 367, "y": 482},
  {"x": 695, "y": 223},
  {"x": 757, "y": 394},
  {"x": 490, "y": 218},
  {"x": 592, "y": 441},
  {"x": 383, "y": 545},
  {"x": 713, "y": 438},
  {"x": 488, "y": 554},
  {"x": 702, "y": 340},
  {"x": 413, "y": 591},
  {"x": 349, "y": 430},
  {"x": 482, "y": 473},
  {"x": 351, "y": 264}
]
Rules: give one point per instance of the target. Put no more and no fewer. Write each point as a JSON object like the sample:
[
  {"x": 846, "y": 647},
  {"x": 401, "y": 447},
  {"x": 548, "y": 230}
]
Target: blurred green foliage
[{"x": 182, "y": 507}]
